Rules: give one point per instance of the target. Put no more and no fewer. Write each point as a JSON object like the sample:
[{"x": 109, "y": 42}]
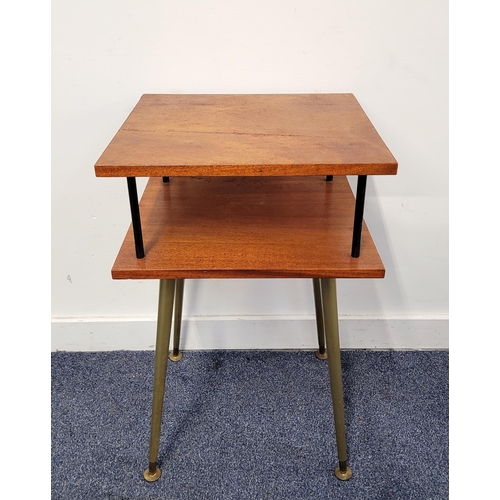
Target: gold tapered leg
[
  {"x": 329, "y": 295},
  {"x": 165, "y": 307},
  {"x": 176, "y": 355},
  {"x": 318, "y": 304}
]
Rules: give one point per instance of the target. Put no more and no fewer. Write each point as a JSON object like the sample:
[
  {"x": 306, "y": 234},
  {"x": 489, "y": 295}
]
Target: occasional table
[{"x": 247, "y": 186}]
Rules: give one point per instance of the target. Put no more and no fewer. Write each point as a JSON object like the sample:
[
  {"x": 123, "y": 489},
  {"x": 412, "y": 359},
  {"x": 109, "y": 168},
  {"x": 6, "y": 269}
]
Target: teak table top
[
  {"x": 247, "y": 227},
  {"x": 246, "y": 135}
]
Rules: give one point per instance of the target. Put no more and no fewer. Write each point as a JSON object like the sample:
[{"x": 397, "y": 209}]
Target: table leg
[
  {"x": 136, "y": 217},
  {"x": 318, "y": 304},
  {"x": 358, "y": 216},
  {"x": 329, "y": 293},
  {"x": 165, "y": 306},
  {"x": 176, "y": 355}
]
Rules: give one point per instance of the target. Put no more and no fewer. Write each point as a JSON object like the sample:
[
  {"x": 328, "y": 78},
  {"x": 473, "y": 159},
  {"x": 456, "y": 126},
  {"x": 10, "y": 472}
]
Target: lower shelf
[{"x": 247, "y": 227}]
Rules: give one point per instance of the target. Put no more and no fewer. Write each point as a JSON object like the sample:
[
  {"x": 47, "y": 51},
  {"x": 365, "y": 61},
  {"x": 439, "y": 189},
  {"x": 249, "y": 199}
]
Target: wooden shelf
[
  {"x": 247, "y": 227},
  {"x": 246, "y": 135}
]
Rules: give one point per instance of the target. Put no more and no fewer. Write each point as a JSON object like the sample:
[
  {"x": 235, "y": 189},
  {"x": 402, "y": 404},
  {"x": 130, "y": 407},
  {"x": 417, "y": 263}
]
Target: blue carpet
[{"x": 250, "y": 425}]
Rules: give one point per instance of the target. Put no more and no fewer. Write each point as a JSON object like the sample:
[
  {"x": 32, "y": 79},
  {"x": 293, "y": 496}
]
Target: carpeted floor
[{"x": 250, "y": 425}]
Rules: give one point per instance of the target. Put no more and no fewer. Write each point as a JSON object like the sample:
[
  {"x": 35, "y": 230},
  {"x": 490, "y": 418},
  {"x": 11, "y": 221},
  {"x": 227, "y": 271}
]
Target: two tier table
[{"x": 247, "y": 186}]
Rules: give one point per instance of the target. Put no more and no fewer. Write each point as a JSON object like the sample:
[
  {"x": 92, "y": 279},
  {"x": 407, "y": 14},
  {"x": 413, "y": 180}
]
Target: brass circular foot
[
  {"x": 343, "y": 476},
  {"x": 321, "y": 356},
  {"x": 152, "y": 477},
  {"x": 172, "y": 357}
]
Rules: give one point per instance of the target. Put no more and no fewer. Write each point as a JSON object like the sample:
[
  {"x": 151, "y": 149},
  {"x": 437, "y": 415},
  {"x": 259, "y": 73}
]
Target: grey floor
[{"x": 250, "y": 425}]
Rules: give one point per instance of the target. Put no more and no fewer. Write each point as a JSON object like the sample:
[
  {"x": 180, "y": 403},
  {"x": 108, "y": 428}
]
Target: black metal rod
[
  {"x": 329, "y": 177},
  {"x": 136, "y": 217},
  {"x": 166, "y": 179},
  {"x": 358, "y": 216}
]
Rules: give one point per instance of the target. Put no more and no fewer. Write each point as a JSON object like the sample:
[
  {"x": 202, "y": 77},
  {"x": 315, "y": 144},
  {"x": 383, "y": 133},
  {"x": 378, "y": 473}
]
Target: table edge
[
  {"x": 277, "y": 170},
  {"x": 242, "y": 274}
]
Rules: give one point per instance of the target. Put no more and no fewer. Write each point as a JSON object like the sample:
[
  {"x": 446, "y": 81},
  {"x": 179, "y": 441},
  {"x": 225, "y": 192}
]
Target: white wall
[{"x": 392, "y": 55}]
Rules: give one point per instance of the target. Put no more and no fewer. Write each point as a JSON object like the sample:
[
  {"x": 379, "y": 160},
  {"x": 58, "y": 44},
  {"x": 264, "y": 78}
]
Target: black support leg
[
  {"x": 358, "y": 216},
  {"x": 136, "y": 217}
]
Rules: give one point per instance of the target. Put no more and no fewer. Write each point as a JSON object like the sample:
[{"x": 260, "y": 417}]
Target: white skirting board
[{"x": 248, "y": 333}]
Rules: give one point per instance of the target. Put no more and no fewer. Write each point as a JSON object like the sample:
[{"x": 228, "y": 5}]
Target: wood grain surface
[
  {"x": 246, "y": 135},
  {"x": 247, "y": 227}
]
